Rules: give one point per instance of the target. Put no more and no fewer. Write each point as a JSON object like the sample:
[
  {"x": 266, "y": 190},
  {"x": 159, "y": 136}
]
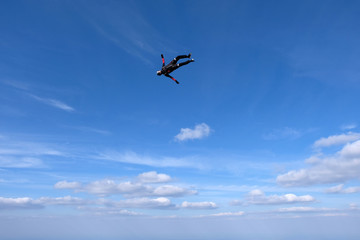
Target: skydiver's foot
[
  {"x": 176, "y": 81},
  {"x": 189, "y": 56},
  {"x": 192, "y": 60}
]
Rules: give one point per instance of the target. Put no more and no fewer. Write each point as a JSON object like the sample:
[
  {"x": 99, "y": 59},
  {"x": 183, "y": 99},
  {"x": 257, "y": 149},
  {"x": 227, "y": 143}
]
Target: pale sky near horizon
[{"x": 260, "y": 140}]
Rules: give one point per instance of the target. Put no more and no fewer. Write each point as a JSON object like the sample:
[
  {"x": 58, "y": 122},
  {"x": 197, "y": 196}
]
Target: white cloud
[
  {"x": 258, "y": 197},
  {"x": 29, "y": 203},
  {"x": 337, "y": 168},
  {"x": 173, "y": 191},
  {"x": 340, "y": 189},
  {"x": 199, "y": 205},
  {"x": 160, "y": 202},
  {"x": 348, "y": 126},
  {"x": 18, "y": 203},
  {"x": 304, "y": 209},
  {"x": 107, "y": 187},
  {"x": 67, "y": 185},
  {"x": 200, "y": 131},
  {"x": 67, "y": 200},
  {"x": 153, "y": 177},
  {"x": 53, "y": 102},
  {"x": 129, "y": 189},
  {"x": 337, "y": 140},
  {"x": 227, "y": 214}
]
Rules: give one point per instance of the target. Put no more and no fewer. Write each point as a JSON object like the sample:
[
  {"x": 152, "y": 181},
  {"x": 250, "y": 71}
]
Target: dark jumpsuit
[{"x": 173, "y": 65}]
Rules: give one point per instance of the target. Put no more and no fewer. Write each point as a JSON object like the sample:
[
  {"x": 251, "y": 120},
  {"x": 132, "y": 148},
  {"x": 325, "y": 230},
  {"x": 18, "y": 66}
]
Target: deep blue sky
[{"x": 262, "y": 127}]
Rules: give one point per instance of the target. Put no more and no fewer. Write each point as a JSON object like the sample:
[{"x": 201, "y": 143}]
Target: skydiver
[{"x": 173, "y": 65}]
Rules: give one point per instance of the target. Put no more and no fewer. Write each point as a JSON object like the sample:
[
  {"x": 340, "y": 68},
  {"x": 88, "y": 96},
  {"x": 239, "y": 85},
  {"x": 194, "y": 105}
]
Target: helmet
[{"x": 158, "y": 73}]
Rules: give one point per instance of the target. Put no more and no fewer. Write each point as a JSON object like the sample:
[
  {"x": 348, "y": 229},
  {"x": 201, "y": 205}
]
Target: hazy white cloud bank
[
  {"x": 258, "y": 197},
  {"x": 200, "y": 131},
  {"x": 338, "y": 167}
]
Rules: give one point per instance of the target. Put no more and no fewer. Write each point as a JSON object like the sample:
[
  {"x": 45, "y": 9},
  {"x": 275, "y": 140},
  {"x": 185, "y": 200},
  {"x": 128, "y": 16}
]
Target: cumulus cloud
[
  {"x": 18, "y": 203},
  {"x": 29, "y": 203},
  {"x": 258, "y": 197},
  {"x": 108, "y": 187},
  {"x": 130, "y": 189},
  {"x": 67, "y": 185},
  {"x": 160, "y": 202},
  {"x": 340, "y": 189},
  {"x": 198, "y": 205},
  {"x": 173, "y": 191},
  {"x": 153, "y": 177},
  {"x": 337, "y": 168},
  {"x": 227, "y": 214},
  {"x": 337, "y": 140},
  {"x": 200, "y": 131}
]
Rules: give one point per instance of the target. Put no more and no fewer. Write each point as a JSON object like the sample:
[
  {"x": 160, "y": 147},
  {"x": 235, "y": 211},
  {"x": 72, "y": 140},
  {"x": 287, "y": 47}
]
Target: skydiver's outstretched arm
[
  {"x": 167, "y": 75},
  {"x": 163, "y": 60}
]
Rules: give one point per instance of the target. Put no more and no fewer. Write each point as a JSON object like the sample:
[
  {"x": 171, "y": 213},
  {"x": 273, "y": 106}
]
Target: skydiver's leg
[
  {"x": 181, "y": 57},
  {"x": 186, "y": 62}
]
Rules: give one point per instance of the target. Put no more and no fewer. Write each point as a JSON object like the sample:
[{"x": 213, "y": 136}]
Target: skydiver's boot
[{"x": 189, "y": 56}]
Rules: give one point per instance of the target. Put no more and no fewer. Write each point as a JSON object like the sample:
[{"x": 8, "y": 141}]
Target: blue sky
[{"x": 260, "y": 140}]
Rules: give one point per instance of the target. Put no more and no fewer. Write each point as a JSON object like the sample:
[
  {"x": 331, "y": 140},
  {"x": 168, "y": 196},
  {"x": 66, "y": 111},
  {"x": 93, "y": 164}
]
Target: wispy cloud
[
  {"x": 340, "y": 189},
  {"x": 128, "y": 29},
  {"x": 92, "y": 130},
  {"x": 134, "y": 158},
  {"x": 348, "y": 126},
  {"x": 15, "y": 84},
  {"x": 336, "y": 168},
  {"x": 200, "y": 131},
  {"x": 54, "y": 103},
  {"x": 283, "y": 133},
  {"x": 20, "y": 154},
  {"x": 304, "y": 209}
]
